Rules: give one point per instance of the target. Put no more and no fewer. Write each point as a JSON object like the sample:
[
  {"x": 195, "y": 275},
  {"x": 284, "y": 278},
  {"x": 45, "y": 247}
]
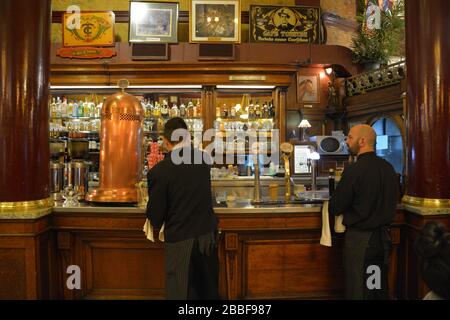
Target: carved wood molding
[{"x": 231, "y": 263}]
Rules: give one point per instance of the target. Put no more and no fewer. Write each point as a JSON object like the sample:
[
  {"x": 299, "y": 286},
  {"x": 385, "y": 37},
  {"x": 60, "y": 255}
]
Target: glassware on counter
[{"x": 70, "y": 194}]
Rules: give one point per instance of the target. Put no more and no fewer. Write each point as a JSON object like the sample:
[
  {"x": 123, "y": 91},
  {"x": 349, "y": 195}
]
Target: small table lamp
[{"x": 304, "y": 124}]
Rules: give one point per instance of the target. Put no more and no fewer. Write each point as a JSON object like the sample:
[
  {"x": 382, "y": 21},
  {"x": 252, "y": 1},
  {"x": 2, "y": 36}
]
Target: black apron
[
  {"x": 192, "y": 268},
  {"x": 361, "y": 249}
]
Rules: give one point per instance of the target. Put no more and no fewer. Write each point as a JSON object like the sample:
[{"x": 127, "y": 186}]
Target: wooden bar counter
[{"x": 264, "y": 253}]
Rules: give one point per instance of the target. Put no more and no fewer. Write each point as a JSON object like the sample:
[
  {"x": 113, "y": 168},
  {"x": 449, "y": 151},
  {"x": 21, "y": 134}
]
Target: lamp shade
[{"x": 304, "y": 124}]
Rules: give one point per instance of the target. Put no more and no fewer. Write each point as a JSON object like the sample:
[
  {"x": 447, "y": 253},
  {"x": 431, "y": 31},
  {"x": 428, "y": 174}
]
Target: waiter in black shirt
[
  {"x": 367, "y": 197},
  {"x": 179, "y": 189}
]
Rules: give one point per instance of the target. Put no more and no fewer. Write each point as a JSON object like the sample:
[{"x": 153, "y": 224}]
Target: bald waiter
[{"x": 367, "y": 197}]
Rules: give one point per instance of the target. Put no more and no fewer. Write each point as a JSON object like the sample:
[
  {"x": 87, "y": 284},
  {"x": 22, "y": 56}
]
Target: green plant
[{"x": 379, "y": 45}]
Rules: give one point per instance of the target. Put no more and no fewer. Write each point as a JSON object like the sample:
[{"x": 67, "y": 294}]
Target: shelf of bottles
[
  {"x": 158, "y": 109},
  {"x": 246, "y": 114}
]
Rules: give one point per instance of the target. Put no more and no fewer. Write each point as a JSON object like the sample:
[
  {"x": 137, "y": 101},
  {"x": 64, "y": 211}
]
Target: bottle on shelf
[
  {"x": 164, "y": 109},
  {"x": 182, "y": 110},
  {"x": 251, "y": 110},
  {"x": 224, "y": 111},
  {"x": 80, "y": 109},
  {"x": 265, "y": 110},
  {"x": 98, "y": 108},
  {"x": 58, "y": 107},
  {"x": 174, "y": 111},
  {"x": 271, "y": 109},
  {"x": 190, "y": 110},
  {"x": 64, "y": 107},
  {"x": 150, "y": 108},
  {"x": 258, "y": 113},
  {"x": 232, "y": 112},
  {"x": 53, "y": 108},
  {"x": 75, "y": 109},
  {"x": 86, "y": 108},
  {"x": 194, "y": 110},
  {"x": 238, "y": 110},
  {"x": 157, "y": 109},
  {"x": 70, "y": 109}
]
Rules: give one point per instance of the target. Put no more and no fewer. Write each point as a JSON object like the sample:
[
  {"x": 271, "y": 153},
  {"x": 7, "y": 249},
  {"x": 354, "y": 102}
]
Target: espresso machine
[{"x": 121, "y": 155}]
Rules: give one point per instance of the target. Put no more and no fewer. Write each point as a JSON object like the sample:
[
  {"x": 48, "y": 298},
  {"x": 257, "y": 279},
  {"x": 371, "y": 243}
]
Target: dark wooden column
[
  {"x": 24, "y": 88},
  {"x": 26, "y": 242},
  {"x": 428, "y": 98}
]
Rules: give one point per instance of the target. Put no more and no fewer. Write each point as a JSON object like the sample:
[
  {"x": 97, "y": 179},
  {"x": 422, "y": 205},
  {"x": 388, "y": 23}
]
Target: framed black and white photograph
[
  {"x": 215, "y": 21},
  {"x": 152, "y": 22}
]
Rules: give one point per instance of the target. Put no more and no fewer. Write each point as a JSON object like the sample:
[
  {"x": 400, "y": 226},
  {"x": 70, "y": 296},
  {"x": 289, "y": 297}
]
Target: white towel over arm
[
  {"x": 148, "y": 230},
  {"x": 325, "y": 239}
]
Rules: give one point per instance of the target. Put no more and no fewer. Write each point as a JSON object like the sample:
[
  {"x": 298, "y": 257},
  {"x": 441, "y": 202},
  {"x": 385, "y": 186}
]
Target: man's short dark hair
[{"x": 172, "y": 125}]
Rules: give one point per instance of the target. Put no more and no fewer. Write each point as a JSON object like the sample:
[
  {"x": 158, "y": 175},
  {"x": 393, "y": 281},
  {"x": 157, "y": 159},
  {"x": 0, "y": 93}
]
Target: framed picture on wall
[
  {"x": 215, "y": 21},
  {"x": 152, "y": 22},
  {"x": 308, "y": 89}
]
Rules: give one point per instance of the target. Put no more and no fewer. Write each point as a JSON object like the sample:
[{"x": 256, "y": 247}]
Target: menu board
[{"x": 301, "y": 153}]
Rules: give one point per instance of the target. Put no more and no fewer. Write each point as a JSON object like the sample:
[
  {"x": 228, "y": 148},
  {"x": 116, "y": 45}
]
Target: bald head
[{"x": 361, "y": 139}]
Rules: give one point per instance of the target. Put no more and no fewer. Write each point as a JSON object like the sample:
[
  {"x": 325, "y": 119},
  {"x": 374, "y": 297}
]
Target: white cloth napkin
[
  {"x": 325, "y": 239},
  {"x": 148, "y": 230}
]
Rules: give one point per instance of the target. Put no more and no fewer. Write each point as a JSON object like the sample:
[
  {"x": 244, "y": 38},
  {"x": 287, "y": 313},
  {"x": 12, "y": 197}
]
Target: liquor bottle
[
  {"x": 80, "y": 110},
  {"x": 58, "y": 107},
  {"x": 190, "y": 109},
  {"x": 75, "y": 109},
  {"x": 224, "y": 111},
  {"x": 157, "y": 109},
  {"x": 251, "y": 110},
  {"x": 86, "y": 109},
  {"x": 258, "y": 112},
  {"x": 64, "y": 107},
  {"x": 238, "y": 110},
  {"x": 175, "y": 112},
  {"x": 150, "y": 108},
  {"x": 53, "y": 108},
  {"x": 182, "y": 110},
  {"x": 194, "y": 110},
  {"x": 70, "y": 109},
  {"x": 232, "y": 112},
  {"x": 98, "y": 109},
  {"x": 164, "y": 109},
  {"x": 271, "y": 109},
  {"x": 265, "y": 110}
]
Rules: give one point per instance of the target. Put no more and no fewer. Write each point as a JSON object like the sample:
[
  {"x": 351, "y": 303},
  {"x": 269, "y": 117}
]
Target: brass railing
[{"x": 386, "y": 76}]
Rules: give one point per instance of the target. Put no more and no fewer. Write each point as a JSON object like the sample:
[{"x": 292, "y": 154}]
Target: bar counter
[{"x": 265, "y": 252}]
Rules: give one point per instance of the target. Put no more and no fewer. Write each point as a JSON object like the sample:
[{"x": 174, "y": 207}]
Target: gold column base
[
  {"x": 26, "y": 209},
  {"x": 426, "y": 202}
]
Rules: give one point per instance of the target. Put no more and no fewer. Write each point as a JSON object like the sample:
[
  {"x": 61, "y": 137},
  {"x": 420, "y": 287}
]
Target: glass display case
[
  {"x": 237, "y": 116},
  {"x": 242, "y": 117},
  {"x": 74, "y": 113}
]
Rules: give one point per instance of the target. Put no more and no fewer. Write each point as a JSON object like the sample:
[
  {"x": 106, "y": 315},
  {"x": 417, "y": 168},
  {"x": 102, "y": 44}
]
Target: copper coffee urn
[{"x": 121, "y": 141}]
